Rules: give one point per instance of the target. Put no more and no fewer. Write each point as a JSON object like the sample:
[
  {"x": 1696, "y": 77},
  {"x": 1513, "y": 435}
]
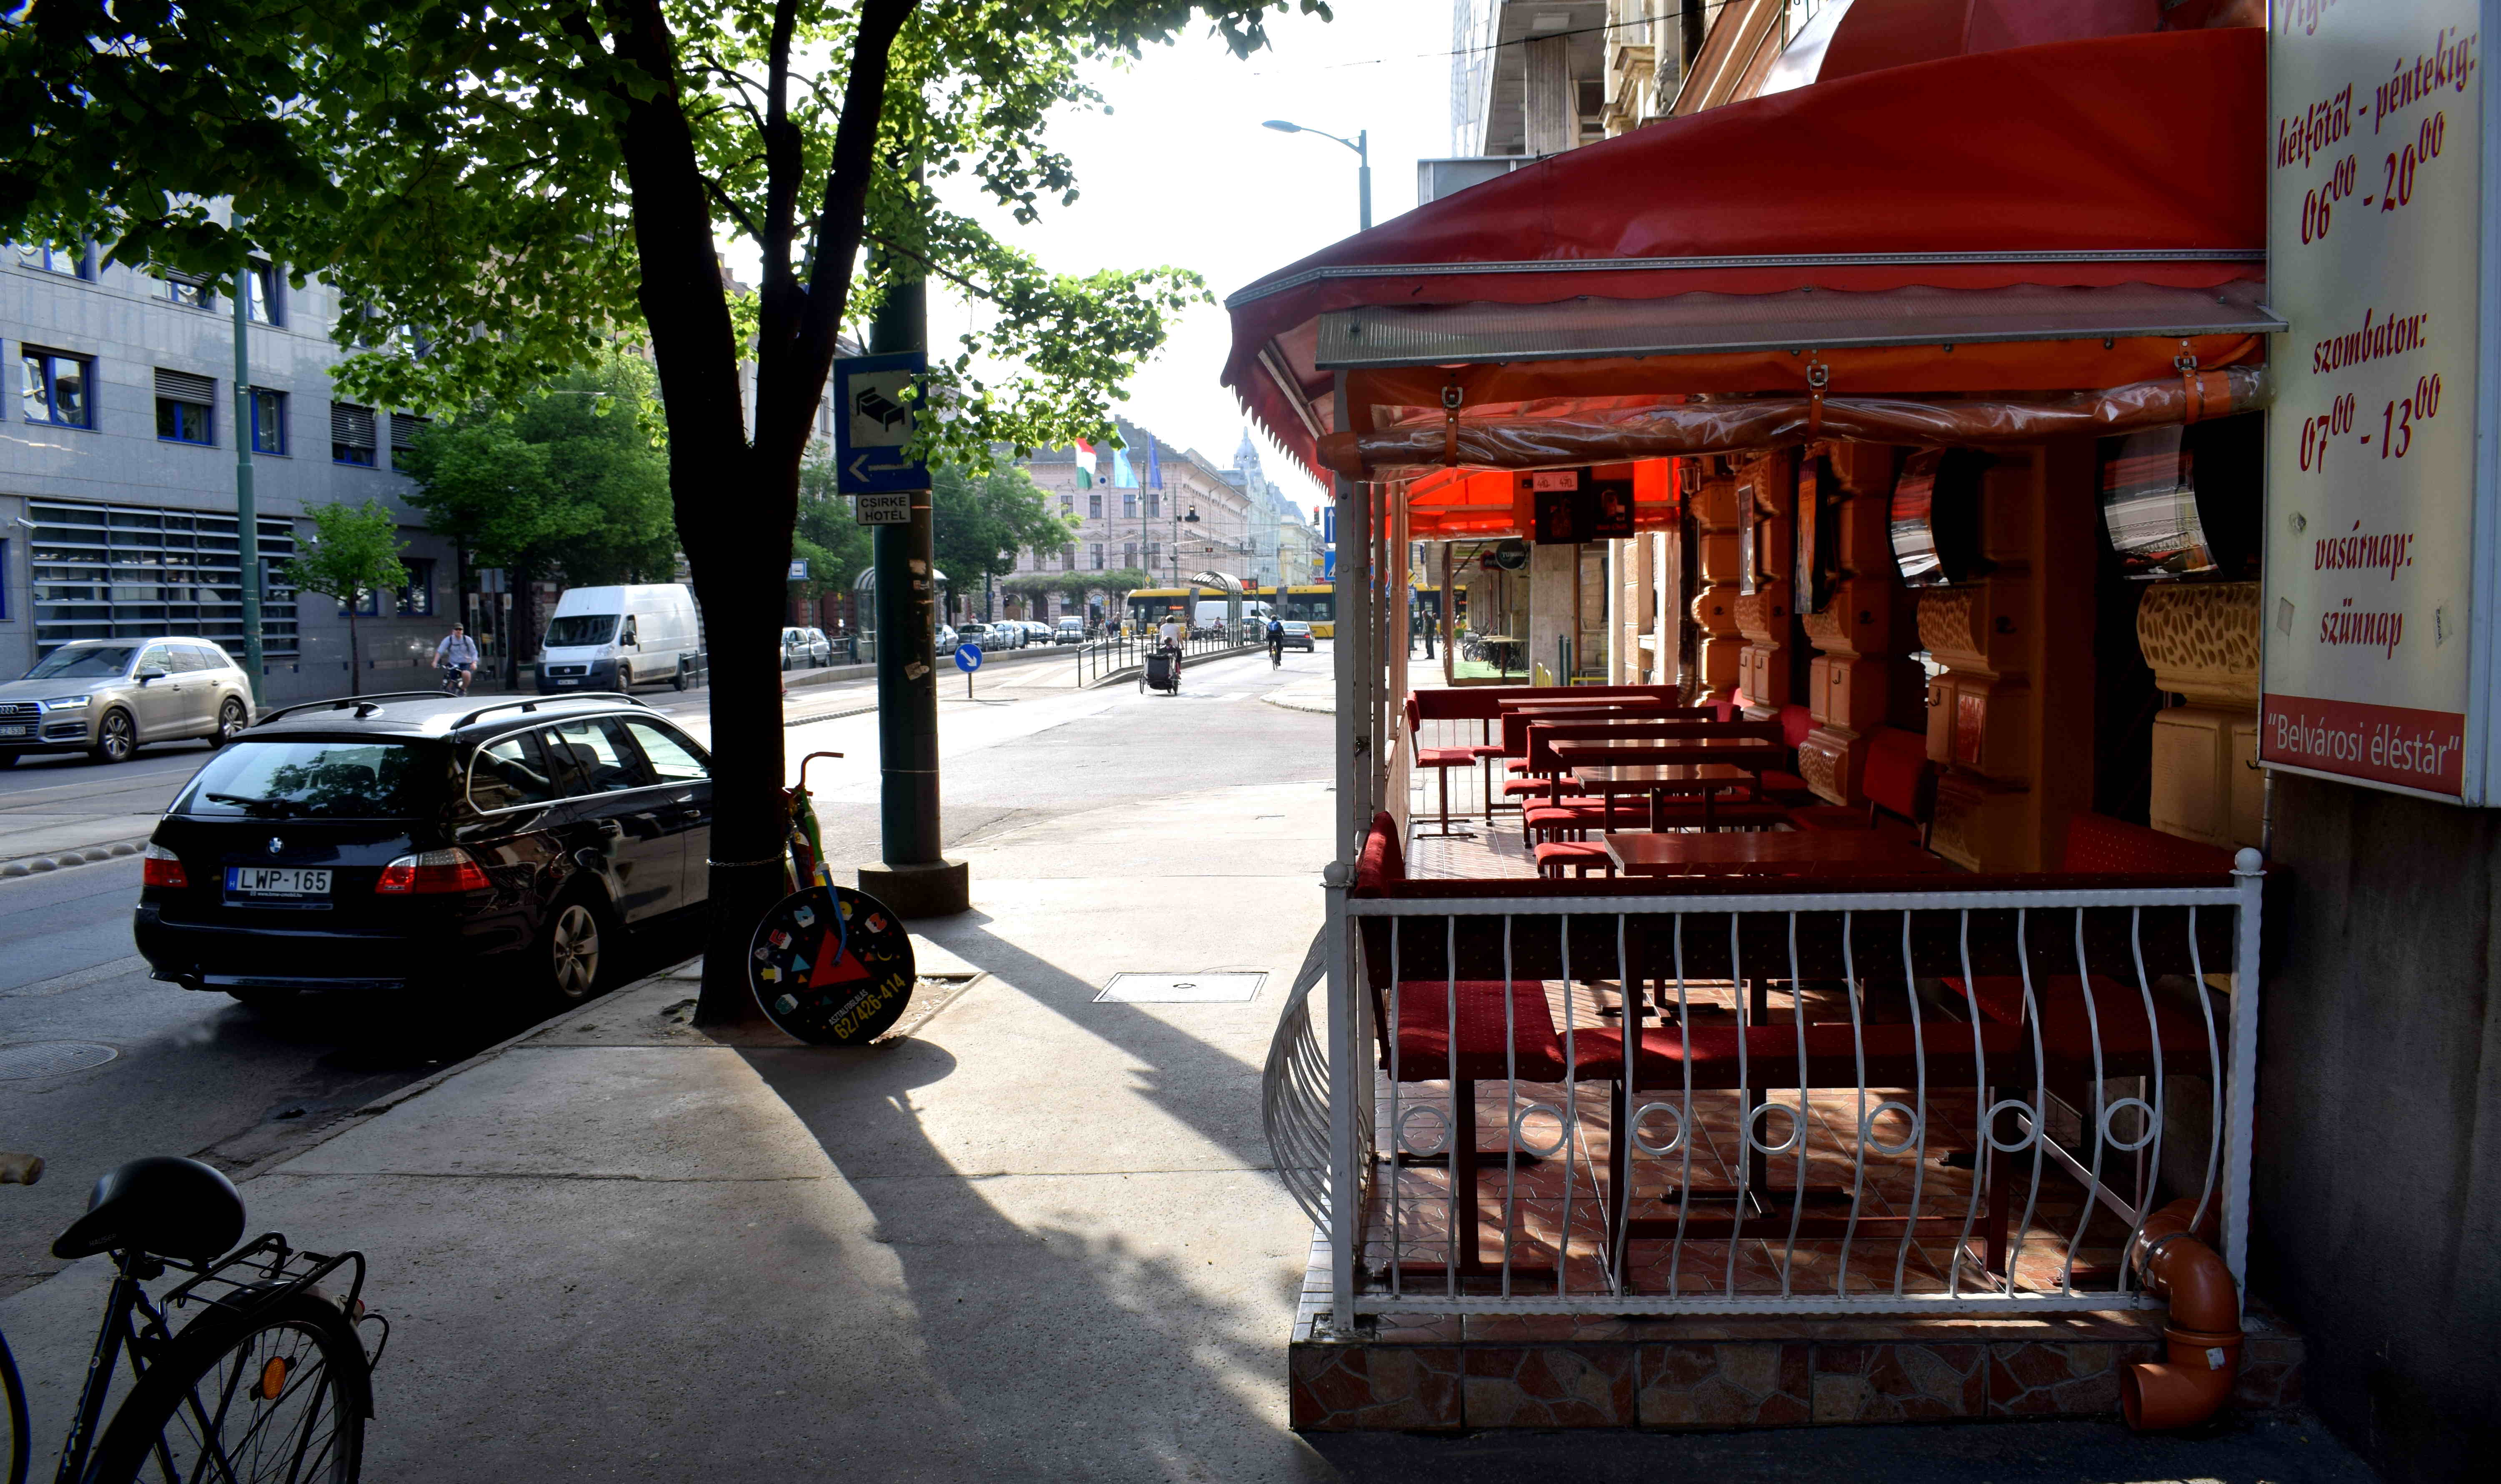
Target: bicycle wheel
[{"x": 278, "y": 1393}]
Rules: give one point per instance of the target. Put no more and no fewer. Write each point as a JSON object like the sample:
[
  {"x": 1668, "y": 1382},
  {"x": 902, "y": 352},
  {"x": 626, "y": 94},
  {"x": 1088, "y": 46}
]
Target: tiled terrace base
[{"x": 1443, "y": 1372}]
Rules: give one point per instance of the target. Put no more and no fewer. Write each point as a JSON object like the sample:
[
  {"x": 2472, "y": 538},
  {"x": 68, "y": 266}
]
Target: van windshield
[{"x": 575, "y": 630}]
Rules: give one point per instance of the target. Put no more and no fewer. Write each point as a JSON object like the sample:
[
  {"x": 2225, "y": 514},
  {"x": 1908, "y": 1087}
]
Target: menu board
[{"x": 2375, "y": 193}]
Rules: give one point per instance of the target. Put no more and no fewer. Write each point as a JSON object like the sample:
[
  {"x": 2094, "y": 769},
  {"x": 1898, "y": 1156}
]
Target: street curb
[
  {"x": 1284, "y": 701},
  {"x": 61, "y": 859},
  {"x": 432, "y": 1080}
]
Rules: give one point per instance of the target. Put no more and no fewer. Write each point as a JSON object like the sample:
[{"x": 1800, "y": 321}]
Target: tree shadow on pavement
[{"x": 1076, "y": 1352}]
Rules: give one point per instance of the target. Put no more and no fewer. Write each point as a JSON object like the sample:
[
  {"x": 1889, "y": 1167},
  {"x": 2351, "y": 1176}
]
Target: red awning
[{"x": 2129, "y": 161}]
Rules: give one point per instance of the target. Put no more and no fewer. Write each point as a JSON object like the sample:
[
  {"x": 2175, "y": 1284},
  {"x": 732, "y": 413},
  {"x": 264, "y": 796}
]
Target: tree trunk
[
  {"x": 356, "y": 669},
  {"x": 746, "y": 874},
  {"x": 736, "y": 496}
]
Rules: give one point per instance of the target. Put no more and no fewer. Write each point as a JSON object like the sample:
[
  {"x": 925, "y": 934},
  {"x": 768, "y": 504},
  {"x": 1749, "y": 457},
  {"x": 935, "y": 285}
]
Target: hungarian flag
[{"x": 1085, "y": 465}]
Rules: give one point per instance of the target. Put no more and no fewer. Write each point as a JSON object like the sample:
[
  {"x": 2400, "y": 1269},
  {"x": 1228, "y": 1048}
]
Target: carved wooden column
[
  {"x": 2202, "y": 641},
  {"x": 2012, "y": 719},
  {"x": 1766, "y": 499},
  {"x": 1714, "y": 606},
  {"x": 1843, "y": 492}
]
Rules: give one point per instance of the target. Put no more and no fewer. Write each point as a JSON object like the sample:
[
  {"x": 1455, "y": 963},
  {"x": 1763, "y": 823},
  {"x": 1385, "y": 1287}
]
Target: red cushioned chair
[
  {"x": 1901, "y": 788},
  {"x": 1440, "y": 760},
  {"x": 1788, "y": 788},
  {"x": 1421, "y": 1039}
]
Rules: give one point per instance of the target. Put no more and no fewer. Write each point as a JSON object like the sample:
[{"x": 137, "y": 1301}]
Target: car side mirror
[{"x": 147, "y": 674}]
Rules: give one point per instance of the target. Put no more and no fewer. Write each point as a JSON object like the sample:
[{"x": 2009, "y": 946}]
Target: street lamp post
[{"x": 1362, "y": 145}]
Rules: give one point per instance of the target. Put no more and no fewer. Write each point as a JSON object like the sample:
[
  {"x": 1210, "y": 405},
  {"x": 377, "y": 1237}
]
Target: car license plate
[
  {"x": 567, "y": 680},
  {"x": 23, "y": 730},
  {"x": 289, "y": 881}
]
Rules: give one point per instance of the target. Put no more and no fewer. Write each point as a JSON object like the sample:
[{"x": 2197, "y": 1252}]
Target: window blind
[
  {"x": 352, "y": 425},
  {"x": 183, "y": 386}
]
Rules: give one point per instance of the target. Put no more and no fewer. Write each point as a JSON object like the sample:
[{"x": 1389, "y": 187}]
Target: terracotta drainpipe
[{"x": 2204, "y": 1332}]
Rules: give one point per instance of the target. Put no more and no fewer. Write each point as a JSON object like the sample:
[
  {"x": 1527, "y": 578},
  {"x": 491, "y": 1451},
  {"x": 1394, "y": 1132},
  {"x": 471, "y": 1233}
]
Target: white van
[
  {"x": 1213, "y": 615},
  {"x": 616, "y": 638}
]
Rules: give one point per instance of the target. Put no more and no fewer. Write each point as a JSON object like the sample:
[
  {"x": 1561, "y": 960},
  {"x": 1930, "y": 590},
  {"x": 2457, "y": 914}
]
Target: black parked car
[{"x": 375, "y": 842}]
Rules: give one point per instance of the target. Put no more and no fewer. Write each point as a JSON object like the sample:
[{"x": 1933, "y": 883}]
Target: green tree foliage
[
  {"x": 523, "y": 182},
  {"x": 570, "y": 481},
  {"x": 981, "y": 517},
  {"x": 836, "y": 545},
  {"x": 354, "y": 551}
]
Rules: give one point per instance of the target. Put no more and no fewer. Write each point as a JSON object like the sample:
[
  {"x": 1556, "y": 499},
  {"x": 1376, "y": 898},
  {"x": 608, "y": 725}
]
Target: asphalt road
[{"x": 198, "y": 1074}]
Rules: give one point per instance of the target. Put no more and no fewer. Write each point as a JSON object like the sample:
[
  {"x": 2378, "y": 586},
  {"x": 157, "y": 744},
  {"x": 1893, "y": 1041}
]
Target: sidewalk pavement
[{"x": 1033, "y": 1239}]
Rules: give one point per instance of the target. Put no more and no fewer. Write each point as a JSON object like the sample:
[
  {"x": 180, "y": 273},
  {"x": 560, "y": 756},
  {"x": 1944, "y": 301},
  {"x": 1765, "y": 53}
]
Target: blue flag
[
  {"x": 1122, "y": 476},
  {"x": 1154, "y": 467}
]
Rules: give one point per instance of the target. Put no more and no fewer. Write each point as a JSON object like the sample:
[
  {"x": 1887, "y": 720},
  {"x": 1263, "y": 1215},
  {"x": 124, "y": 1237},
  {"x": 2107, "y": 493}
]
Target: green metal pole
[
  {"x": 247, "y": 509},
  {"x": 907, "y": 680}
]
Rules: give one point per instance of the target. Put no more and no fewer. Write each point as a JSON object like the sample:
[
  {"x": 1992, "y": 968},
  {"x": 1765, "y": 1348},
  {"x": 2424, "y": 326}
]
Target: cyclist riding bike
[
  {"x": 1169, "y": 638},
  {"x": 457, "y": 658},
  {"x": 1275, "y": 642}
]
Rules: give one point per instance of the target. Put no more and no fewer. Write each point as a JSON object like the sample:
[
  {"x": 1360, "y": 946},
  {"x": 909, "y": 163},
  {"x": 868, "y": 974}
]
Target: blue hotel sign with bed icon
[{"x": 874, "y": 396}]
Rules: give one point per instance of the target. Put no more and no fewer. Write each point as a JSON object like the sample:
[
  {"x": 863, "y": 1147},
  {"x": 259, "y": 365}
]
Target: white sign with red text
[{"x": 2375, "y": 157}]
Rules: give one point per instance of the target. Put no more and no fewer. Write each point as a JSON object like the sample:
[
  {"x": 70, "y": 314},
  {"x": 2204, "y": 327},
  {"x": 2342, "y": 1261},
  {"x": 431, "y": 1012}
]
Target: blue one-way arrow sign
[{"x": 875, "y": 397}]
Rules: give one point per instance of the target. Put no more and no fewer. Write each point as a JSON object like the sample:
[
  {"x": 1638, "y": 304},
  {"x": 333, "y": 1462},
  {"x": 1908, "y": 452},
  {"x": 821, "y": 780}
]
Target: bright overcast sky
[{"x": 1182, "y": 173}]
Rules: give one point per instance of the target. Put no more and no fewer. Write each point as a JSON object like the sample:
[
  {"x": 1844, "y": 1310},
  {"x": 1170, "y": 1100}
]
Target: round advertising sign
[
  {"x": 968, "y": 658},
  {"x": 831, "y": 967}
]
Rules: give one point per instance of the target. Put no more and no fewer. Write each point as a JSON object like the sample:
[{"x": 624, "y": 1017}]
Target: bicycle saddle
[{"x": 162, "y": 1205}]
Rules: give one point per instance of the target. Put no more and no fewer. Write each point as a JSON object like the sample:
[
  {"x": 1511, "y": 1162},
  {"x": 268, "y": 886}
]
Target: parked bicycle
[{"x": 267, "y": 1381}]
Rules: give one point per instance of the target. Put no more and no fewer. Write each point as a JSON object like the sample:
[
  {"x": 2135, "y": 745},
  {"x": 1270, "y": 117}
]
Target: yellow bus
[{"x": 1315, "y": 604}]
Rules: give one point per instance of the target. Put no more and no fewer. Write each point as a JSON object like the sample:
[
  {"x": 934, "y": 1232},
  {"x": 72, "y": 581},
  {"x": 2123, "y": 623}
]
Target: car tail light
[
  {"x": 435, "y": 870},
  {"x": 160, "y": 867}
]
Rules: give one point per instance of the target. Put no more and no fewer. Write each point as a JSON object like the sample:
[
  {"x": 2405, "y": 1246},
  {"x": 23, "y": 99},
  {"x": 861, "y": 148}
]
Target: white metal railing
[{"x": 1745, "y": 1160}]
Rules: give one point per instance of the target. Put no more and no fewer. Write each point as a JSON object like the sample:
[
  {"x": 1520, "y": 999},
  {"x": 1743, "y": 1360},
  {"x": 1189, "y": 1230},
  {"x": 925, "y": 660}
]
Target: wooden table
[
  {"x": 1816, "y": 853},
  {"x": 1751, "y": 753},
  {"x": 1519, "y": 717},
  {"x": 1661, "y": 779}
]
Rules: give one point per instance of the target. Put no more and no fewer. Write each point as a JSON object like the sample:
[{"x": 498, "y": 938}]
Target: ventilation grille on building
[
  {"x": 404, "y": 426},
  {"x": 352, "y": 425},
  {"x": 183, "y": 386}
]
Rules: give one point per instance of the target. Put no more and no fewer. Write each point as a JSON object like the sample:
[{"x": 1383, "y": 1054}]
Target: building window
[
  {"x": 1068, "y": 504},
  {"x": 1098, "y": 556},
  {"x": 369, "y": 604},
  {"x": 1155, "y": 505},
  {"x": 58, "y": 389},
  {"x": 130, "y": 572},
  {"x": 69, "y": 262},
  {"x": 1129, "y": 504},
  {"x": 1129, "y": 553},
  {"x": 417, "y": 600},
  {"x": 264, "y": 297},
  {"x": 1094, "y": 505},
  {"x": 404, "y": 426},
  {"x": 268, "y": 421},
  {"x": 189, "y": 292},
  {"x": 185, "y": 407},
  {"x": 351, "y": 434},
  {"x": 1068, "y": 559}
]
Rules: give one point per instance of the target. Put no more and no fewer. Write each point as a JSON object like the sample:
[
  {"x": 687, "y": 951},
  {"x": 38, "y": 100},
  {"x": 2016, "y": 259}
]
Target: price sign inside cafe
[{"x": 2375, "y": 627}]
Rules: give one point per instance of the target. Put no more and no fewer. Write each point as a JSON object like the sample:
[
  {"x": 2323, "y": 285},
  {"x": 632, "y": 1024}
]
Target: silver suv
[{"x": 107, "y": 697}]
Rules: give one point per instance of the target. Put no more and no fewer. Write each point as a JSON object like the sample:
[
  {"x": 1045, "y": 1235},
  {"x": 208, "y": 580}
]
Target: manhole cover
[
  {"x": 1180, "y": 989},
  {"x": 50, "y": 1058}
]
